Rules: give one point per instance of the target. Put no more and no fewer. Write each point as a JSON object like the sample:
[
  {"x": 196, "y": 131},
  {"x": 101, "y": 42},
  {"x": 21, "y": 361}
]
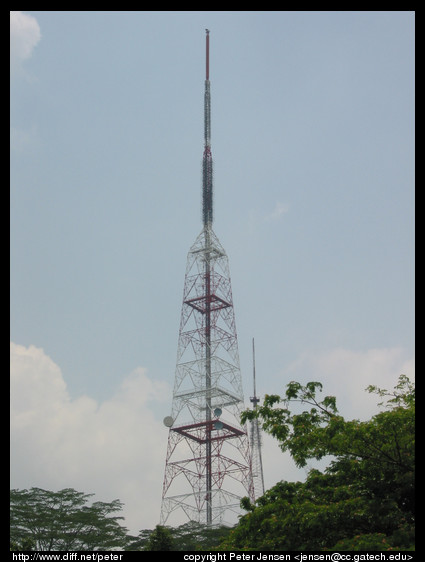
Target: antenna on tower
[
  {"x": 257, "y": 461},
  {"x": 254, "y": 398},
  {"x": 207, "y": 58},
  {"x": 207, "y": 162}
]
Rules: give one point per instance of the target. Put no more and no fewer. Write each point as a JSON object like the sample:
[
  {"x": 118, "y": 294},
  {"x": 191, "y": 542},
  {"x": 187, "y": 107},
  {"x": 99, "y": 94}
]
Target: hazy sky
[{"x": 313, "y": 147}]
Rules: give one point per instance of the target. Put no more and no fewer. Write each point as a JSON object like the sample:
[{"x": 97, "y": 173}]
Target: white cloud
[
  {"x": 115, "y": 449},
  {"x": 24, "y": 36}
]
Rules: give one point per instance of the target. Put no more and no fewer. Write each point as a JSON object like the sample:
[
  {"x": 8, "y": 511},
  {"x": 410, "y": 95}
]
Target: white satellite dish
[{"x": 168, "y": 421}]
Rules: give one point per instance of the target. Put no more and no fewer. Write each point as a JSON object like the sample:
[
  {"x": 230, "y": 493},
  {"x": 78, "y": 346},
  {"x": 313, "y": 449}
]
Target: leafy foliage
[
  {"x": 160, "y": 539},
  {"x": 44, "y": 521},
  {"x": 62, "y": 521},
  {"x": 187, "y": 537},
  {"x": 363, "y": 500},
  {"x": 197, "y": 536}
]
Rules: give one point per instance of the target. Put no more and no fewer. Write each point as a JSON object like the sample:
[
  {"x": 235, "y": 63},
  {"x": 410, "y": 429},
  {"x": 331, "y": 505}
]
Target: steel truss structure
[
  {"x": 208, "y": 463},
  {"x": 255, "y": 440}
]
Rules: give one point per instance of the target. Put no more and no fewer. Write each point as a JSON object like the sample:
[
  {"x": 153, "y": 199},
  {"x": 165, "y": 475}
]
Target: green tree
[
  {"x": 366, "y": 494},
  {"x": 161, "y": 538},
  {"x": 198, "y": 536},
  {"x": 189, "y": 536},
  {"x": 25, "y": 545},
  {"x": 62, "y": 521},
  {"x": 139, "y": 542}
]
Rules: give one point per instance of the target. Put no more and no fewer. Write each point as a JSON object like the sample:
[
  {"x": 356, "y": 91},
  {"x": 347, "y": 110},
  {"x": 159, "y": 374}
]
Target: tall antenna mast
[
  {"x": 257, "y": 461},
  {"x": 207, "y": 164},
  {"x": 207, "y": 188},
  {"x": 208, "y": 467},
  {"x": 254, "y": 399}
]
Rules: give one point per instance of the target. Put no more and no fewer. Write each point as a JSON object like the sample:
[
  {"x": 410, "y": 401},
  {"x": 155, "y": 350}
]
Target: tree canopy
[
  {"x": 43, "y": 520},
  {"x": 186, "y": 537},
  {"x": 363, "y": 500},
  {"x": 62, "y": 521},
  {"x": 160, "y": 539}
]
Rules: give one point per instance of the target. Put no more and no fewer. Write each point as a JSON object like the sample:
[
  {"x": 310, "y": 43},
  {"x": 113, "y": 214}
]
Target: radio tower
[
  {"x": 257, "y": 461},
  {"x": 208, "y": 463}
]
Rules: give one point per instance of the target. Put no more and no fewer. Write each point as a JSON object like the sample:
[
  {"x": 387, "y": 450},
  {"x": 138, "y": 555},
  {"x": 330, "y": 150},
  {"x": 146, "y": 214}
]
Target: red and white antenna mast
[{"x": 208, "y": 465}]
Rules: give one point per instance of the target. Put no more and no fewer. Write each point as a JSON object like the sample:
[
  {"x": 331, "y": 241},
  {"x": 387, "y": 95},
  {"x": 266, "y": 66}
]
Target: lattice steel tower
[
  {"x": 257, "y": 461},
  {"x": 208, "y": 464}
]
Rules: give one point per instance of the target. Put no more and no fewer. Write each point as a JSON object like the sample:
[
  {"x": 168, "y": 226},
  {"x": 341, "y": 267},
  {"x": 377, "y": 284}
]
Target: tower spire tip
[{"x": 207, "y": 40}]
